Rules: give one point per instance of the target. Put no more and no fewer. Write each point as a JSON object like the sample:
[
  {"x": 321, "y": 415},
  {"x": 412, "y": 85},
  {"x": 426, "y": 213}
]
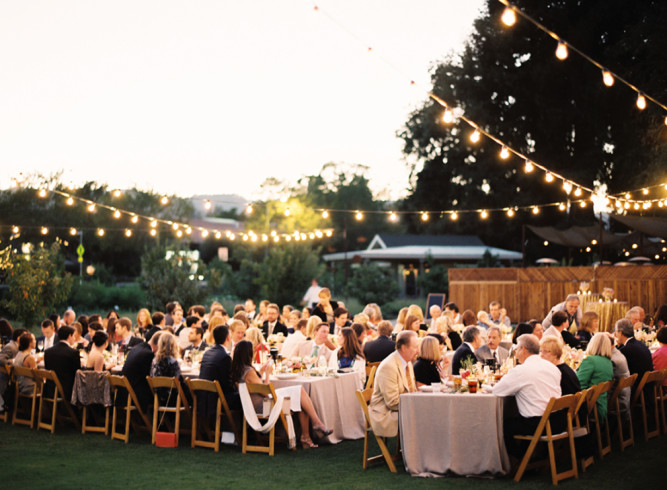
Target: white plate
[
  {"x": 426, "y": 388},
  {"x": 286, "y": 375}
]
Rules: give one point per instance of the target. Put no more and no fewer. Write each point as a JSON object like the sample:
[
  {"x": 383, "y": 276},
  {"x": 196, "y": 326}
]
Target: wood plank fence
[{"x": 531, "y": 292}]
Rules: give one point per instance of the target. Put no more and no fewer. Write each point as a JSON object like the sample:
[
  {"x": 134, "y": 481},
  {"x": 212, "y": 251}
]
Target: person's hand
[
  {"x": 503, "y": 313},
  {"x": 267, "y": 367},
  {"x": 444, "y": 363}
]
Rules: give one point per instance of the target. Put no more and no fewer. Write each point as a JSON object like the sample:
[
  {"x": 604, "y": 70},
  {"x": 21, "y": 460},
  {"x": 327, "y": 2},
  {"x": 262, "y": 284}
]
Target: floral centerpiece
[
  {"x": 276, "y": 339},
  {"x": 573, "y": 357},
  {"x": 608, "y": 294},
  {"x": 646, "y": 337}
]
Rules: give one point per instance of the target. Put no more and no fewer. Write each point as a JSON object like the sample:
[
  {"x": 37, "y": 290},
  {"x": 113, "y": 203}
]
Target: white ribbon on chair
[{"x": 281, "y": 404}]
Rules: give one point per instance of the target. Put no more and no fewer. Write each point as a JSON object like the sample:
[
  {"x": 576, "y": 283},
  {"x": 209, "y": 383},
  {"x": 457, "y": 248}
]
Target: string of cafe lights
[
  {"x": 180, "y": 229},
  {"x": 509, "y": 18},
  {"x": 569, "y": 186}
]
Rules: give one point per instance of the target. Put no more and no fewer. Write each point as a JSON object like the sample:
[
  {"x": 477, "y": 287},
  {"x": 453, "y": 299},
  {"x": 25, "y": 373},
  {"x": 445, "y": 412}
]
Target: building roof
[{"x": 388, "y": 240}]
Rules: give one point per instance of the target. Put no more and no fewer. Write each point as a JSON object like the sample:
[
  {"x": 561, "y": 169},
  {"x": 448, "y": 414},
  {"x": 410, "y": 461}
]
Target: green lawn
[{"x": 67, "y": 459}]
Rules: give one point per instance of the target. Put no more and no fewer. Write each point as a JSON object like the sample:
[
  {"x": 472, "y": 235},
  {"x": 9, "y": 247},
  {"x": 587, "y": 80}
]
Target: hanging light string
[
  {"x": 563, "y": 47},
  {"x": 450, "y": 115},
  {"x": 179, "y": 228}
]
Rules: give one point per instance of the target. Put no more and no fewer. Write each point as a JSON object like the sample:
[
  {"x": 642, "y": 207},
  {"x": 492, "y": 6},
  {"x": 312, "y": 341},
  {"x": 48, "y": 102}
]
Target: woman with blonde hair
[
  {"x": 144, "y": 322},
  {"x": 444, "y": 326},
  {"x": 597, "y": 368},
  {"x": 165, "y": 364},
  {"x": 256, "y": 338},
  {"x": 552, "y": 350},
  {"x": 325, "y": 307},
  {"x": 400, "y": 320},
  {"x": 216, "y": 321},
  {"x": 311, "y": 326},
  {"x": 427, "y": 367},
  {"x": 590, "y": 321},
  {"x": 417, "y": 311}
]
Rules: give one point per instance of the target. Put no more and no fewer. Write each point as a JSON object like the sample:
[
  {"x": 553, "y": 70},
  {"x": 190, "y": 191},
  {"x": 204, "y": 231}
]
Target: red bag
[{"x": 165, "y": 439}]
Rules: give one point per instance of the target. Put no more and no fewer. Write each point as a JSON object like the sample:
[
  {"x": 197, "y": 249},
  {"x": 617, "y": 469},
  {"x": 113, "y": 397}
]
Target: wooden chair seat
[
  {"x": 364, "y": 398},
  {"x": 566, "y": 403},
  {"x": 222, "y": 410},
  {"x": 44, "y": 377},
  {"x": 18, "y": 396},
  {"x": 267, "y": 391},
  {"x": 120, "y": 384},
  {"x": 182, "y": 406}
]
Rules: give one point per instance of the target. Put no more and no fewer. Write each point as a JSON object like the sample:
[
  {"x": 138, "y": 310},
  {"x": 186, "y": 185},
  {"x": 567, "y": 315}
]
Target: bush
[
  {"x": 93, "y": 296},
  {"x": 436, "y": 280},
  {"x": 372, "y": 284}
]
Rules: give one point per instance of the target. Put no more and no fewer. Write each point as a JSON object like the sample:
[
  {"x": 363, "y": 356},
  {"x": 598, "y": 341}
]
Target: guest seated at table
[
  {"x": 597, "y": 368},
  {"x": 25, "y": 359},
  {"x": 620, "y": 365},
  {"x": 216, "y": 321},
  {"x": 484, "y": 320},
  {"x": 637, "y": 354},
  {"x": 95, "y": 361},
  {"x": 400, "y": 320},
  {"x": 427, "y": 368},
  {"x": 377, "y": 350},
  {"x": 325, "y": 307},
  {"x": 254, "y": 335},
  {"x": 319, "y": 345},
  {"x": 237, "y": 332},
  {"x": 294, "y": 340},
  {"x": 660, "y": 317},
  {"x": 492, "y": 350},
  {"x": 453, "y": 309},
  {"x": 660, "y": 355},
  {"x": 216, "y": 365},
  {"x": 521, "y": 329},
  {"x": 589, "y": 326},
  {"x": 79, "y": 341},
  {"x": 272, "y": 324},
  {"x": 393, "y": 377},
  {"x": 157, "y": 324},
  {"x": 533, "y": 382},
  {"x": 64, "y": 360},
  {"x": 124, "y": 332},
  {"x": 242, "y": 371},
  {"x": 444, "y": 326},
  {"x": 349, "y": 354},
  {"x": 472, "y": 340},
  {"x": 361, "y": 331},
  {"x": 411, "y": 323},
  {"x": 292, "y": 319},
  {"x": 468, "y": 318},
  {"x": 166, "y": 364},
  {"x": 552, "y": 351},
  {"x": 144, "y": 323},
  {"x": 498, "y": 314},
  {"x": 196, "y": 338},
  {"x": 341, "y": 320},
  {"x": 538, "y": 330},
  {"x": 559, "y": 329},
  {"x": 138, "y": 366},
  {"x": 374, "y": 314}
]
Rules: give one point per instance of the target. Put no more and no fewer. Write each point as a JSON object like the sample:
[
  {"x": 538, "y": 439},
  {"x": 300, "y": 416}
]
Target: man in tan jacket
[{"x": 393, "y": 378}]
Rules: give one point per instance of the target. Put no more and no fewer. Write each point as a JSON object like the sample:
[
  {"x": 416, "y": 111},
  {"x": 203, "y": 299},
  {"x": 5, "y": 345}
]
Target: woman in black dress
[{"x": 427, "y": 367}]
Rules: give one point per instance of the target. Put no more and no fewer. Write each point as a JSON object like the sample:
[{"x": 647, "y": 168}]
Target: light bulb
[
  {"x": 287, "y": 212},
  {"x": 424, "y": 216},
  {"x": 577, "y": 192},
  {"x": 636, "y": 205},
  {"x": 153, "y": 232},
  {"x": 164, "y": 201},
  {"x": 265, "y": 237},
  {"x": 588, "y": 249},
  {"x": 100, "y": 232},
  {"x": 504, "y": 153},
  {"x": 116, "y": 214},
  {"x": 218, "y": 235},
  {"x": 15, "y": 230},
  {"x": 288, "y": 238},
  {"x": 42, "y": 193},
  {"x": 359, "y": 216},
  {"x": 510, "y": 213},
  {"x": 582, "y": 204},
  {"x": 536, "y": 210},
  {"x": 508, "y": 17},
  {"x": 561, "y": 51},
  {"x": 311, "y": 236},
  {"x": 44, "y": 230},
  {"x": 484, "y": 214},
  {"x": 645, "y": 191},
  {"x": 529, "y": 167},
  {"x": 474, "y": 136},
  {"x": 204, "y": 233},
  {"x": 454, "y": 216},
  {"x": 328, "y": 233},
  {"x": 626, "y": 205},
  {"x": 641, "y": 102},
  {"x": 447, "y": 116},
  {"x": 72, "y": 231},
  {"x": 128, "y": 233},
  {"x": 562, "y": 206},
  {"x": 546, "y": 243},
  {"x": 393, "y": 217},
  {"x": 174, "y": 226},
  {"x": 91, "y": 207},
  {"x": 135, "y": 219},
  {"x": 594, "y": 241},
  {"x": 276, "y": 239},
  {"x": 153, "y": 224},
  {"x": 179, "y": 233},
  {"x": 548, "y": 177},
  {"x": 325, "y": 214},
  {"x": 207, "y": 204},
  {"x": 665, "y": 125},
  {"x": 116, "y": 193},
  {"x": 70, "y": 201},
  {"x": 567, "y": 187},
  {"x": 188, "y": 231},
  {"x": 607, "y": 78}
]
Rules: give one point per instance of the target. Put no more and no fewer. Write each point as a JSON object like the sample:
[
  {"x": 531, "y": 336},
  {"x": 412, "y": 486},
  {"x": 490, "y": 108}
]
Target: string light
[
  {"x": 645, "y": 191},
  {"x": 188, "y": 231},
  {"x": 174, "y": 226},
  {"x": 536, "y": 210},
  {"x": 207, "y": 205},
  {"x": 100, "y": 232},
  {"x": 561, "y": 51},
  {"x": 582, "y": 204},
  {"x": 567, "y": 187},
  {"x": 134, "y": 219},
  {"x": 204, "y": 233},
  {"x": 393, "y": 217},
  {"x": 15, "y": 230},
  {"x": 42, "y": 193},
  {"x": 448, "y": 116},
  {"x": 510, "y": 213},
  {"x": 549, "y": 177},
  {"x": 72, "y": 231},
  {"x": 504, "y": 153},
  {"x": 218, "y": 235},
  {"x": 128, "y": 233},
  {"x": 529, "y": 167},
  {"x": 70, "y": 201},
  {"x": 44, "y": 230},
  {"x": 474, "y": 136},
  {"x": 562, "y": 206},
  {"x": 287, "y": 212},
  {"x": 116, "y": 193},
  {"x": 484, "y": 214},
  {"x": 607, "y": 78},
  {"x": 509, "y": 17},
  {"x": 153, "y": 232},
  {"x": 179, "y": 233},
  {"x": 641, "y": 102},
  {"x": 424, "y": 216},
  {"x": 577, "y": 192},
  {"x": 454, "y": 216},
  {"x": 248, "y": 209},
  {"x": 164, "y": 200},
  {"x": 153, "y": 224},
  {"x": 359, "y": 215},
  {"x": 91, "y": 207},
  {"x": 116, "y": 214},
  {"x": 325, "y": 214}
]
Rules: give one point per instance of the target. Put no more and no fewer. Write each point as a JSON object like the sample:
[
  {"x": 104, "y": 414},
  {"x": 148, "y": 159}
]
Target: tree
[
  {"x": 37, "y": 283},
  {"x": 372, "y": 284},
  {"x": 557, "y": 112}
]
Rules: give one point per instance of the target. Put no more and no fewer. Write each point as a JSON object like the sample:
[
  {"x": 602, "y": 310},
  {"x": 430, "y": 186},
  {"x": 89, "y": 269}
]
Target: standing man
[
  {"x": 571, "y": 308},
  {"x": 64, "y": 360},
  {"x": 312, "y": 294},
  {"x": 393, "y": 378}
]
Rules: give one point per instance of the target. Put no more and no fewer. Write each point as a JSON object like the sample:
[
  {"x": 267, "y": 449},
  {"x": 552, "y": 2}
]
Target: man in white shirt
[
  {"x": 498, "y": 315},
  {"x": 533, "y": 382},
  {"x": 294, "y": 340},
  {"x": 312, "y": 294}
]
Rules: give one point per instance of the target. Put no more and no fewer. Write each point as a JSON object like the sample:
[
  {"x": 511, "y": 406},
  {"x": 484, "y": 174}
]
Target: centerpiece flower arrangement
[
  {"x": 608, "y": 294},
  {"x": 646, "y": 337},
  {"x": 275, "y": 339},
  {"x": 573, "y": 357}
]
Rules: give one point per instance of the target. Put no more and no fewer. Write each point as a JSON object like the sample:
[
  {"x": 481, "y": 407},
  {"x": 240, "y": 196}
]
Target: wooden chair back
[
  {"x": 222, "y": 409},
  {"x": 96, "y": 379},
  {"x": 604, "y": 446},
  {"x": 662, "y": 399},
  {"x": 614, "y": 404},
  {"x": 265, "y": 390},
  {"x": 122, "y": 384},
  {"x": 370, "y": 382},
  {"x": 182, "y": 405},
  {"x": 653, "y": 380},
  {"x": 45, "y": 376},
  {"x": 33, "y": 396},
  {"x": 364, "y": 398}
]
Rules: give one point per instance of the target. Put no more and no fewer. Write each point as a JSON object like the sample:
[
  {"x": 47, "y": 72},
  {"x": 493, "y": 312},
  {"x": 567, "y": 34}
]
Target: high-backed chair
[
  {"x": 364, "y": 398},
  {"x": 371, "y": 377},
  {"x": 50, "y": 377},
  {"x": 544, "y": 433},
  {"x": 266, "y": 390},
  {"x": 604, "y": 443},
  {"x": 614, "y": 405},
  {"x": 120, "y": 386},
  {"x": 222, "y": 410},
  {"x": 582, "y": 420},
  {"x": 91, "y": 389},
  {"x": 648, "y": 387},
  {"x": 182, "y": 407},
  {"x": 34, "y": 395}
]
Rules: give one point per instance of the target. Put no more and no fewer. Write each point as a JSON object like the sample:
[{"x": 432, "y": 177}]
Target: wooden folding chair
[
  {"x": 371, "y": 376},
  {"x": 266, "y": 391},
  {"x": 654, "y": 380},
  {"x": 120, "y": 384},
  {"x": 604, "y": 448},
  {"x": 200, "y": 385},
  {"x": 614, "y": 404},
  {"x": 50, "y": 377},
  {"x": 182, "y": 405},
  {"x": 586, "y": 403},
  {"x": 85, "y": 380},
  {"x": 6, "y": 369},
  {"x": 662, "y": 399},
  {"x": 364, "y": 398},
  {"x": 568, "y": 403},
  {"x": 36, "y": 393}
]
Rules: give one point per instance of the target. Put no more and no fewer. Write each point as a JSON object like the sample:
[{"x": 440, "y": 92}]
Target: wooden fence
[{"x": 531, "y": 292}]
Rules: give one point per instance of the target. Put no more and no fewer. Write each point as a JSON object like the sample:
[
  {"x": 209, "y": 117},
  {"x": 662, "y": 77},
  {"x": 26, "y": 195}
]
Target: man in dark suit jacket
[
  {"x": 492, "y": 349},
  {"x": 124, "y": 331},
  {"x": 377, "y": 350},
  {"x": 216, "y": 364},
  {"x": 273, "y": 325},
  {"x": 472, "y": 340},
  {"x": 637, "y": 354},
  {"x": 137, "y": 366},
  {"x": 49, "y": 337},
  {"x": 341, "y": 320},
  {"x": 158, "y": 324},
  {"x": 64, "y": 360}
]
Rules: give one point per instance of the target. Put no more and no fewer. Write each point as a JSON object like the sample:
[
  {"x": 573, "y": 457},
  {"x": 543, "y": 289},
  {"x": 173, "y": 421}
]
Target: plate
[
  {"x": 286, "y": 375},
  {"x": 426, "y": 388}
]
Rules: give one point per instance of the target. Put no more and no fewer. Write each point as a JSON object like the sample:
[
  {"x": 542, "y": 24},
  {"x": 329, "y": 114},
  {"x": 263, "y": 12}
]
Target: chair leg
[
  {"x": 525, "y": 460},
  {"x": 54, "y": 414},
  {"x": 128, "y": 419},
  {"x": 84, "y": 425},
  {"x": 272, "y": 441},
  {"x": 154, "y": 431},
  {"x": 385, "y": 452},
  {"x": 245, "y": 436},
  {"x": 365, "y": 465}
]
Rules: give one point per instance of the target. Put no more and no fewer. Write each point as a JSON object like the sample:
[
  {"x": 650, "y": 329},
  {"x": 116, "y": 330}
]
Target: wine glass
[{"x": 40, "y": 346}]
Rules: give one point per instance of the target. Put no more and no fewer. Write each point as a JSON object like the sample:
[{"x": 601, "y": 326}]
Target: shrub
[{"x": 372, "y": 284}]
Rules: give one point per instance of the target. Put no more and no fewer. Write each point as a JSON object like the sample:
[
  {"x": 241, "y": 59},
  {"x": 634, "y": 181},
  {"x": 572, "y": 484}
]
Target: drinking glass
[
  {"x": 40, "y": 346},
  {"x": 472, "y": 385}
]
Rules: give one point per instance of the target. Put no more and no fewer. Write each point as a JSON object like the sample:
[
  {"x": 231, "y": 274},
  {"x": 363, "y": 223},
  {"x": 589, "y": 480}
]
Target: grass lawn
[{"x": 67, "y": 459}]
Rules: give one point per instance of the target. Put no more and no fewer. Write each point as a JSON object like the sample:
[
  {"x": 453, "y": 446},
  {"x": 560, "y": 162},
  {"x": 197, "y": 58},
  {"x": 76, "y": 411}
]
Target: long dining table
[
  {"x": 335, "y": 401},
  {"x": 452, "y": 433}
]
